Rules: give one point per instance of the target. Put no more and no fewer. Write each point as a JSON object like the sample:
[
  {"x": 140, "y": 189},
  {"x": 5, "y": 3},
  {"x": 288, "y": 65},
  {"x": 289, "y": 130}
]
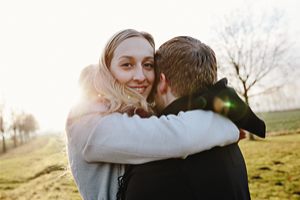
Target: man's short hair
[{"x": 188, "y": 64}]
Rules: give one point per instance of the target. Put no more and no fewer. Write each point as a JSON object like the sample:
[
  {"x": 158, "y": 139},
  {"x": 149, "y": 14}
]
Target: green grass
[
  {"x": 37, "y": 170},
  {"x": 282, "y": 121},
  {"x": 273, "y": 167}
]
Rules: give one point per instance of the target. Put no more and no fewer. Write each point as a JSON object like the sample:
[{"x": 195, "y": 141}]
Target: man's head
[{"x": 184, "y": 65}]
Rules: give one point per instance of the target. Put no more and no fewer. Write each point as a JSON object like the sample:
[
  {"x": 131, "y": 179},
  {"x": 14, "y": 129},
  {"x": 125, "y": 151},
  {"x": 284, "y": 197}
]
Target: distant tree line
[{"x": 20, "y": 129}]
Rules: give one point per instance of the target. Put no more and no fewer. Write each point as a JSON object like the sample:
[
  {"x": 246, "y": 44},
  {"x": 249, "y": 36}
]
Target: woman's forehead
[{"x": 135, "y": 46}]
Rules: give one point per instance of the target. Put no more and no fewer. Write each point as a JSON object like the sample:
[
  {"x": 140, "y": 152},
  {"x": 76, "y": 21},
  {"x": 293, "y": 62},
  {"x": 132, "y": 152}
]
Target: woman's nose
[{"x": 139, "y": 74}]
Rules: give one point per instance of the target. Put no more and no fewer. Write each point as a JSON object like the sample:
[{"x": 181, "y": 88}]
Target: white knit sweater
[{"x": 98, "y": 145}]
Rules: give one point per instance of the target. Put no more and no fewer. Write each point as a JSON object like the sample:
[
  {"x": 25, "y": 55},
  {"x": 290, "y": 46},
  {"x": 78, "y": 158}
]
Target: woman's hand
[{"x": 242, "y": 134}]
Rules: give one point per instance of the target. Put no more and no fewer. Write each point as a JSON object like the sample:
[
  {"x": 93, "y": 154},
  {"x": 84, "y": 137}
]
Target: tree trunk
[
  {"x": 251, "y": 136},
  {"x": 15, "y": 138},
  {"x": 3, "y": 138},
  {"x": 3, "y": 143}
]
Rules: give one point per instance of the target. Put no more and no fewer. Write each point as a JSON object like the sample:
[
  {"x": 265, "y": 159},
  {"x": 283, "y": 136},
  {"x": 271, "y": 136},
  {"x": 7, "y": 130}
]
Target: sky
[{"x": 45, "y": 44}]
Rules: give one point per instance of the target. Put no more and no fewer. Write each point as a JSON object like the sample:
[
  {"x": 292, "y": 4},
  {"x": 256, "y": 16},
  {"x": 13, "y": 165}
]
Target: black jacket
[{"x": 216, "y": 174}]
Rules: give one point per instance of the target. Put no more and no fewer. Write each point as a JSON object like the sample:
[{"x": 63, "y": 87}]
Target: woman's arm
[{"x": 118, "y": 138}]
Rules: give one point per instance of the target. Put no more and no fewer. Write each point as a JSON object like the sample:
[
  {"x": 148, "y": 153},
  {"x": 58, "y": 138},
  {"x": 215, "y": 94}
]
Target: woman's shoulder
[{"x": 86, "y": 108}]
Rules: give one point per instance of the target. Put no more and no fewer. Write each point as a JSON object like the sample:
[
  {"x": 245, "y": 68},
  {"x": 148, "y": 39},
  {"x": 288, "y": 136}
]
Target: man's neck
[
  {"x": 170, "y": 97},
  {"x": 174, "y": 107}
]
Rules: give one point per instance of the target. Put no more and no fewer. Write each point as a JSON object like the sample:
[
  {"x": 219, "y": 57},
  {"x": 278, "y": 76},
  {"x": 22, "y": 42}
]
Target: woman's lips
[{"x": 139, "y": 89}]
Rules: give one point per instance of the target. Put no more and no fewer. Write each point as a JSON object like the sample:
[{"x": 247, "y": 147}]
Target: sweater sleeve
[{"x": 117, "y": 138}]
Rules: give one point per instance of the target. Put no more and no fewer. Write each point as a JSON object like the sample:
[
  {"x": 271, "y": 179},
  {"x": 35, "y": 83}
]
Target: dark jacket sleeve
[{"x": 224, "y": 100}]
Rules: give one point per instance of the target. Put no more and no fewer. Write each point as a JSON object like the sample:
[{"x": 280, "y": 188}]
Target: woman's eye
[
  {"x": 149, "y": 65},
  {"x": 126, "y": 65}
]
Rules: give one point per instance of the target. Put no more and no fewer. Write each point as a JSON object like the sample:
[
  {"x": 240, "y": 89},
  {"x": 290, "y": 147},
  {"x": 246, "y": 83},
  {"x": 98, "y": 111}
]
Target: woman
[{"x": 101, "y": 135}]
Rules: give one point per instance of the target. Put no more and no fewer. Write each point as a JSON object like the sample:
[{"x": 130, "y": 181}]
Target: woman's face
[{"x": 133, "y": 65}]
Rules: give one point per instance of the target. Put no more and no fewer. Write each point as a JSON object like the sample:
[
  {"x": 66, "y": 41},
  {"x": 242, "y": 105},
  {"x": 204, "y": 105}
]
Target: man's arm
[
  {"x": 223, "y": 100},
  {"x": 117, "y": 138}
]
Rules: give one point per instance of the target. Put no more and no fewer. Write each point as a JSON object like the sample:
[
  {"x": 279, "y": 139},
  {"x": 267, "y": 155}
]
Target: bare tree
[
  {"x": 23, "y": 124},
  {"x": 2, "y": 128},
  {"x": 30, "y": 125},
  {"x": 253, "y": 51},
  {"x": 14, "y": 127}
]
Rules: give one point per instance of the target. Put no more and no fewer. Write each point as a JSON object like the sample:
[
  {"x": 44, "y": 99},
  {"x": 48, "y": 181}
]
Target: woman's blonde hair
[
  {"x": 86, "y": 82},
  {"x": 119, "y": 97}
]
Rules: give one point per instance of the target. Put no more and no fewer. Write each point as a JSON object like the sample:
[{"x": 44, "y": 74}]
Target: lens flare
[{"x": 228, "y": 104}]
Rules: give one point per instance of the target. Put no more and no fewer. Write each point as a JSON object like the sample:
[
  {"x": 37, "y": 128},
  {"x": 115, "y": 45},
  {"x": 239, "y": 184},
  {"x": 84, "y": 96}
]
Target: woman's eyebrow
[
  {"x": 149, "y": 57},
  {"x": 130, "y": 57},
  {"x": 122, "y": 57}
]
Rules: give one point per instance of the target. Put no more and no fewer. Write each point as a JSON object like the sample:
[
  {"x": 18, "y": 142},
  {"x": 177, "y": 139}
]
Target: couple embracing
[{"x": 156, "y": 125}]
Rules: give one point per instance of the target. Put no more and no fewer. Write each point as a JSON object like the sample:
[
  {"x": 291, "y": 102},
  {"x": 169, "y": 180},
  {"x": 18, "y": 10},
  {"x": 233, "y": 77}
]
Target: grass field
[
  {"x": 273, "y": 167},
  {"x": 38, "y": 169},
  {"x": 282, "y": 121}
]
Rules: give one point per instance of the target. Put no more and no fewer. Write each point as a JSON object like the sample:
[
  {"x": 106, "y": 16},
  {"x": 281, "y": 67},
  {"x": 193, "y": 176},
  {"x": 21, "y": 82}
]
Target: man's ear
[{"x": 163, "y": 84}]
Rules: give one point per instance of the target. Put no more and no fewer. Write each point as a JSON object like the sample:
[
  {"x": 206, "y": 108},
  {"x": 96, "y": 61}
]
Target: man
[{"x": 187, "y": 72}]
